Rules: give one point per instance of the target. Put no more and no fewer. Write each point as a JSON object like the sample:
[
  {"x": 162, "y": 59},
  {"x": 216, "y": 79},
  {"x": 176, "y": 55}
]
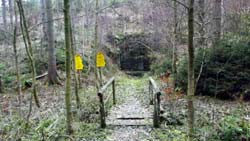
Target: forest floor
[{"x": 214, "y": 119}]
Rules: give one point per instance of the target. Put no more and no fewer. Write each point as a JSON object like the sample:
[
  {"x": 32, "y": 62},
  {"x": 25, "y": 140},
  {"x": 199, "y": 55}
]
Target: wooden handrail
[
  {"x": 155, "y": 87},
  {"x": 154, "y": 95},
  {"x": 104, "y": 88},
  {"x": 103, "y": 102}
]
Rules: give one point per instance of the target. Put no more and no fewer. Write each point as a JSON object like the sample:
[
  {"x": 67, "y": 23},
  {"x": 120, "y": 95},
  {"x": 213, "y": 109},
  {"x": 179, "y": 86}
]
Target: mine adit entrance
[
  {"x": 134, "y": 58},
  {"x": 134, "y": 52}
]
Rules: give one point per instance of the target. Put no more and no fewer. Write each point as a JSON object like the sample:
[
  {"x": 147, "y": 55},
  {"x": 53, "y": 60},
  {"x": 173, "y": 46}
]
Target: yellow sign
[
  {"x": 100, "y": 60},
  {"x": 78, "y": 62}
]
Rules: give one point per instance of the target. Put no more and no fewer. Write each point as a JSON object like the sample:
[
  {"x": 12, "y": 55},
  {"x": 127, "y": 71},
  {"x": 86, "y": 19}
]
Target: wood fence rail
[{"x": 103, "y": 102}]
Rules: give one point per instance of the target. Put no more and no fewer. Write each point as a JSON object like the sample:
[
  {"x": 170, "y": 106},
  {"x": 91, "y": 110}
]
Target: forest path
[{"x": 131, "y": 120}]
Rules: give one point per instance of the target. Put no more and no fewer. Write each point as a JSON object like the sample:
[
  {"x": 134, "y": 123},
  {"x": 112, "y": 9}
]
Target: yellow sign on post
[
  {"x": 78, "y": 62},
  {"x": 100, "y": 60}
]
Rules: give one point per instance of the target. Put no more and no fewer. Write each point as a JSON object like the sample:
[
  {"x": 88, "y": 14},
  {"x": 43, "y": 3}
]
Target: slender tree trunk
[
  {"x": 73, "y": 49},
  {"x": 52, "y": 71},
  {"x": 67, "y": 29},
  {"x": 4, "y": 14},
  {"x": 191, "y": 79},
  {"x": 19, "y": 91},
  {"x": 201, "y": 18},
  {"x": 44, "y": 39},
  {"x": 4, "y": 23},
  {"x": 216, "y": 21},
  {"x": 174, "y": 59},
  {"x": 96, "y": 43},
  {"x": 28, "y": 47},
  {"x": 201, "y": 40},
  {"x": 11, "y": 13}
]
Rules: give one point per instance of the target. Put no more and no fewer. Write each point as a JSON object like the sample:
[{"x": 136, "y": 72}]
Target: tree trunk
[
  {"x": 191, "y": 79},
  {"x": 96, "y": 43},
  {"x": 11, "y": 13},
  {"x": 52, "y": 72},
  {"x": 67, "y": 29},
  {"x": 44, "y": 39},
  {"x": 216, "y": 21},
  {"x": 201, "y": 18},
  {"x": 4, "y": 14},
  {"x": 19, "y": 91},
  {"x": 174, "y": 70},
  {"x": 28, "y": 48},
  {"x": 73, "y": 50}
]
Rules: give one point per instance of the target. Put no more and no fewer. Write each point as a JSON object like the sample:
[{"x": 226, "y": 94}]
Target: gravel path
[{"x": 131, "y": 120}]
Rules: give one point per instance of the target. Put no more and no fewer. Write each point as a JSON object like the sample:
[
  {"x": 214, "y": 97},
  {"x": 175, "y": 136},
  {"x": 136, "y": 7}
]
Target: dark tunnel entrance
[{"x": 135, "y": 58}]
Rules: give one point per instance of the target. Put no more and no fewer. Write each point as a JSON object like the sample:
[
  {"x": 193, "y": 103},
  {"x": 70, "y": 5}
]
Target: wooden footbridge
[{"x": 153, "y": 94}]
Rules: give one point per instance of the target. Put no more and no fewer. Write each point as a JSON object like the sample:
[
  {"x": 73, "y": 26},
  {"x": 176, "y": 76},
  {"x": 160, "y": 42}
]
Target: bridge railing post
[
  {"x": 151, "y": 97},
  {"x": 102, "y": 110},
  {"x": 103, "y": 102},
  {"x": 154, "y": 90},
  {"x": 114, "y": 98}
]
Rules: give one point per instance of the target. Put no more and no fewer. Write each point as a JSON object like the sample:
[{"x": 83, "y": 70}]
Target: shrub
[
  {"x": 234, "y": 128},
  {"x": 226, "y": 70}
]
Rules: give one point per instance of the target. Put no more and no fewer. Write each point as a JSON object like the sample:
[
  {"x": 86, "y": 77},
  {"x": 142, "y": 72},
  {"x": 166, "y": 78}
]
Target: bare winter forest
[{"x": 124, "y": 70}]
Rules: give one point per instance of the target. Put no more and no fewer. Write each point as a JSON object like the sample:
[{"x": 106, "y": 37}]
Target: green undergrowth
[{"x": 214, "y": 121}]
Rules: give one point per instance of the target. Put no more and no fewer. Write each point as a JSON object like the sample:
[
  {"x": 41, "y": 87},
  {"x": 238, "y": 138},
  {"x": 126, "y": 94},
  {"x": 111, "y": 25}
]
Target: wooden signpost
[{"x": 100, "y": 63}]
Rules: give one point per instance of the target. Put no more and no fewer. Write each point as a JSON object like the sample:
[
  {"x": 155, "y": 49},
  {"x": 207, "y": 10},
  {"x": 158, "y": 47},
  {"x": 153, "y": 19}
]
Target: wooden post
[
  {"x": 1, "y": 85},
  {"x": 113, "y": 85},
  {"x": 79, "y": 79},
  {"x": 102, "y": 111},
  {"x": 100, "y": 74},
  {"x": 158, "y": 96},
  {"x": 151, "y": 102},
  {"x": 156, "y": 122}
]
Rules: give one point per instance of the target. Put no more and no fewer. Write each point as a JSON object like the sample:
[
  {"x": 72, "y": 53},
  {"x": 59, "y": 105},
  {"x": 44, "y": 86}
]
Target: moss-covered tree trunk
[
  {"x": 191, "y": 79},
  {"x": 67, "y": 29},
  {"x": 28, "y": 47},
  {"x": 77, "y": 86}
]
